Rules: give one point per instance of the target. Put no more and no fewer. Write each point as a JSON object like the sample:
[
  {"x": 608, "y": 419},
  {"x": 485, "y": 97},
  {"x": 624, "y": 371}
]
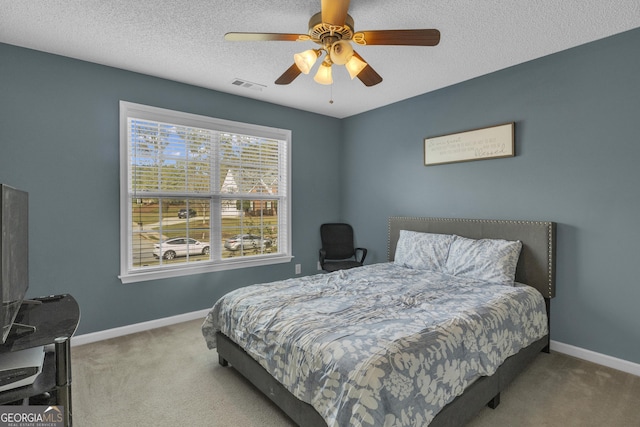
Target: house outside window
[{"x": 200, "y": 194}]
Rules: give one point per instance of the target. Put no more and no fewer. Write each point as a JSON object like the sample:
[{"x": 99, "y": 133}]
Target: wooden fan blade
[
  {"x": 368, "y": 75},
  {"x": 398, "y": 37},
  {"x": 334, "y": 12},
  {"x": 289, "y": 75},
  {"x": 264, "y": 37}
]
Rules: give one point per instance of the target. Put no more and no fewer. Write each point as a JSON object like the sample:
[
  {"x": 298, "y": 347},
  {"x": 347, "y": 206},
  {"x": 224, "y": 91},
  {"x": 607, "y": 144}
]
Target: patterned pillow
[
  {"x": 492, "y": 260},
  {"x": 424, "y": 251}
]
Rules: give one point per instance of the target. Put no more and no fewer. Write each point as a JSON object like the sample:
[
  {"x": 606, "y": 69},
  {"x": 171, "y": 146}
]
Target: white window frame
[{"x": 145, "y": 112}]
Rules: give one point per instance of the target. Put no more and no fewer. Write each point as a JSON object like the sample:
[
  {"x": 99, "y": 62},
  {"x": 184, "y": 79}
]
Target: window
[{"x": 200, "y": 194}]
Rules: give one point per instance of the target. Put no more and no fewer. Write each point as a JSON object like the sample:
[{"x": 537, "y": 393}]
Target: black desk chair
[{"x": 338, "y": 252}]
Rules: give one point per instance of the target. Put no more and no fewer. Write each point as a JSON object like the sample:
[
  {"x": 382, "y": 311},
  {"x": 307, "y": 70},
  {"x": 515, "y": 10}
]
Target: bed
[{"x": 371, "y": 346}]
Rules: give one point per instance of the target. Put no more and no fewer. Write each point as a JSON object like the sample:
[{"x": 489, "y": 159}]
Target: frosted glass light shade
[
  {"x": 323, "y": 76},
  {"x": 305, "y": 60},
  {"x": 341, "y": 52},
  {"x": 354, "y": 66}
]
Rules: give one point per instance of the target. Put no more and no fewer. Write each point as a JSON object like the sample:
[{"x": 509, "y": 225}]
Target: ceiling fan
[{"x": 332, "y": 28}]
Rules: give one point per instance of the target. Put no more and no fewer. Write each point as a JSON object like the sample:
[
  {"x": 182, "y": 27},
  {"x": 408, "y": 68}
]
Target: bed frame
[{"x": 536, "y": 267}]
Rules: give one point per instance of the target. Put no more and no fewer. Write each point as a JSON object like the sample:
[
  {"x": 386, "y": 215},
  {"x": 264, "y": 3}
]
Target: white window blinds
[{"x": 200, "y": 194}]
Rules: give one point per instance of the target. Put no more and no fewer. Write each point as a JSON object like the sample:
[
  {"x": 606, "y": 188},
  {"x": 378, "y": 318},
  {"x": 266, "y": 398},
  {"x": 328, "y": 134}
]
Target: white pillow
[
  {"x": 492, "y": 260},
  {"x": 424, "y": 251}
]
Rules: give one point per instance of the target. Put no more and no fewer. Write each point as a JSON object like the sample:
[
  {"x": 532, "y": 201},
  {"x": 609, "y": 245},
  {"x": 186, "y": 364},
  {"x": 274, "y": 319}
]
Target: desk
[{"x": 55, "y": 320}]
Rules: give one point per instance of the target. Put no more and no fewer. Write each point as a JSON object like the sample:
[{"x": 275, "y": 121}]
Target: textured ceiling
[{"x": 182, "y": 40}]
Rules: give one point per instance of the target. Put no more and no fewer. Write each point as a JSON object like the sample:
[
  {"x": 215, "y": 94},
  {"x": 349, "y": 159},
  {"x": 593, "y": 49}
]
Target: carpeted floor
[{"x": 168, "y": 377}]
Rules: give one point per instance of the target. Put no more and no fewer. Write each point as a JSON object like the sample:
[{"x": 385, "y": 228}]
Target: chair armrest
[
  {"x": 323, "y": 256},
  {"x": 364, "y": 254}
]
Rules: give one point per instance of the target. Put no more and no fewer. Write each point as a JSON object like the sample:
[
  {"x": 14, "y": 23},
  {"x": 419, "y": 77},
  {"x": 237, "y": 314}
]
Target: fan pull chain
[{"x": 331, "y": 98}]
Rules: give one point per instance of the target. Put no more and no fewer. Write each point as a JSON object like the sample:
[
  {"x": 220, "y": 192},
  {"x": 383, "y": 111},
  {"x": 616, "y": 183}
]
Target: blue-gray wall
[
  {"x": 577, "y": 144},
  {"x": 59, "y": 140},
  {"x": 577, "y": 163}
]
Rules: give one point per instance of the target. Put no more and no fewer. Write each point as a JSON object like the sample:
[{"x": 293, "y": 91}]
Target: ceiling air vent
[{"x": 247, "y": 85}]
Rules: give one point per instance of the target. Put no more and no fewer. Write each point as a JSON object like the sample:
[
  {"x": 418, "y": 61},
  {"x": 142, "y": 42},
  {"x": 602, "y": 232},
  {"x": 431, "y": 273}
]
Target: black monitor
[{"x": 14, "y": 253}]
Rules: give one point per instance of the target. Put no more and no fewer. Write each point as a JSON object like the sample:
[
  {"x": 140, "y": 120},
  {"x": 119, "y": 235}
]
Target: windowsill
[{"x": 140, "y": 276}]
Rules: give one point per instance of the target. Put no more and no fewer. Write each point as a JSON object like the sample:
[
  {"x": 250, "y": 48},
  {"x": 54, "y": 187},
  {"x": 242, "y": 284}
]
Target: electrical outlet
[{"x": 298, "y": 269}]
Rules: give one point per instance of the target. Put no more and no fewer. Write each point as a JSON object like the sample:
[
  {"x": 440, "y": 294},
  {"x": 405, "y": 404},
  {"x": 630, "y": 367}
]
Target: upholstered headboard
[{"x": 536, "y": 265}]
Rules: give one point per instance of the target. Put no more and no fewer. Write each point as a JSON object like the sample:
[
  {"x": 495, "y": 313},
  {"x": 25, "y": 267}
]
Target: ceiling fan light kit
[
  {"x": 354, "y": 66},
  {"x": 341, "y": 52},
  {"x": 305, "y": 60},
  {"x": 332, "y": 29},
  {"x": 323, "y": 76}
]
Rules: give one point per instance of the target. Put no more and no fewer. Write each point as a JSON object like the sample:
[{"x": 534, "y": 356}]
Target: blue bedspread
[{"x": 380, "y": 345}]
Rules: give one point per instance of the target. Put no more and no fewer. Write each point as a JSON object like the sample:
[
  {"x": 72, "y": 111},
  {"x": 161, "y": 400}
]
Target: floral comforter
[{"x": 380, "y": 345}]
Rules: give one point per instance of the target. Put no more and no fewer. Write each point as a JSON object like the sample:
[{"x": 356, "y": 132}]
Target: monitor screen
[{"x": 14, "y": 253}]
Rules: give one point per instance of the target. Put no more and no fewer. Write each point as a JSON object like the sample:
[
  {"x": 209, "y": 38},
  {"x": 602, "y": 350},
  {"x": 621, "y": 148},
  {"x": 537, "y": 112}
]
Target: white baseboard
[
  {"x": 580, "y": 353},
  {"x": 137, "y": 327},
  {"x": 599, "y": 358}
]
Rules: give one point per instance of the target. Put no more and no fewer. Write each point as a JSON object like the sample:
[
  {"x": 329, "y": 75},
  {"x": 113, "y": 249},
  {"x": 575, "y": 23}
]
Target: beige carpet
[{"x": 167, "y": 377}]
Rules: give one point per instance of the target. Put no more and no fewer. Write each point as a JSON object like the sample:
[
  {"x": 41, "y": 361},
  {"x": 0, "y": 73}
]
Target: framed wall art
[{"x": 492, "y": 142}]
